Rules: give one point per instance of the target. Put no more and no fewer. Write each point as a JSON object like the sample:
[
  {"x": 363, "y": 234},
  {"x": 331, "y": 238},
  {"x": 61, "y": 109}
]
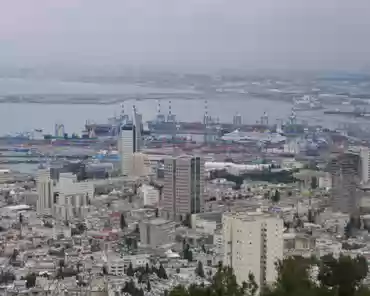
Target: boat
[
  {"x": 245, "y": 137},
  {"x": 306, "y": 103}
]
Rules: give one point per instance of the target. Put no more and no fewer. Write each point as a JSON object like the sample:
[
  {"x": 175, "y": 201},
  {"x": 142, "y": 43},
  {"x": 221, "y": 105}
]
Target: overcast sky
[{"x": 192, "y": 33}]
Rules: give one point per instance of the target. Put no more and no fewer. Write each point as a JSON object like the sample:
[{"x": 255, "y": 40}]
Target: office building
[
  {"x": 45, "y": 190},
  {"x": 183, "y": 190},
  {"x": 253, "y": 243},
  {"x": 345, "y": 176},
  {"x": 130, "y": 141}
]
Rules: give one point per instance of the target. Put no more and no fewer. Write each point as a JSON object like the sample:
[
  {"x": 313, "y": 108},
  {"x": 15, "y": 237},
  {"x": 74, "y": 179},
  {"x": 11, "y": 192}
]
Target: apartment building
[
  {"x": 157, "y": 232},
  {"x": 253, "y": 243}
]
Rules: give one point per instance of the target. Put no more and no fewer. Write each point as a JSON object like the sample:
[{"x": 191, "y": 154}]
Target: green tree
[
  {"x": 199, "y": 271},
  {"x": 130, "y": 270},
  {"x": 314, "y": 183},
  {"x": 293, "y": 278},
  {"x": 251, "y": 286},
  {"x": 147, "y": 269},
  {"x": 123, "y": 223},
  {"x": 276, "y": 197},
  {"x": 343, "y": 275},
  {"x": 30, "y": 280},
  {"x": 162, "y": 272}
]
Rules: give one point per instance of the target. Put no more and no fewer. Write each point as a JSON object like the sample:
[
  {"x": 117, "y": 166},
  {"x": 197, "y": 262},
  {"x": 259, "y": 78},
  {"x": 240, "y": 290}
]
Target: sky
[{"x": 294, "y": 34}]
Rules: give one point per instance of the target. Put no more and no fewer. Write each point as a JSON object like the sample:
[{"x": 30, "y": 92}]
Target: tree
[
  {"x": 251, "y": 286},
  {"x": 61, "y": 263},
  {"x": 148, "y": 286},
  {"x": 187, "y": 253},
  {"x": 187, "y": 221},
  {"x": 30, "y": 280},
  {"x": 344, "y": 274},
  {"x": 276, "y": 197},
  {"x": 130, "y": 270},
  {"x": 137, "y": 229},
  {"x": 162, "y": 272},
  {"x": 314, "y": 183},
  {"x": 123, "y": 223},
  {"x": 199, "y": 271},
  {"x": 147, "y": 269}
]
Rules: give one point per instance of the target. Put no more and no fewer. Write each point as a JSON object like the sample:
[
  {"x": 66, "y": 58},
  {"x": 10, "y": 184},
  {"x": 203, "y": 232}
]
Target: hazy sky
[{"x": 193, "y": 33}]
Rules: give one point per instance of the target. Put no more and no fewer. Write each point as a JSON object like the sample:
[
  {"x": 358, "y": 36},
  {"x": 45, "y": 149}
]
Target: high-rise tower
[
  {"x": 183, "y": 186},
  {"x": 130, "y": 141}
]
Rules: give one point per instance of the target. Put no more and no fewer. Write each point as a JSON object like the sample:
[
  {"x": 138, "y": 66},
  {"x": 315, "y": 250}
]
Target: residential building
[
  {"x": 253, "y": 243},
  {"x": 118, "y": 265},
  {"x": 71, "y": 206},
  {"x": 157, "y": 232},
  {"x": 72, "y": 198},
  {"x": 183, "y": 190},
  {"x": 150, "y": 195}
]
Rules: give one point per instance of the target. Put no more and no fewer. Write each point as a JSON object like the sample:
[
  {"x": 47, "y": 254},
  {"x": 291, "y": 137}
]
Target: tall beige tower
[
  {"x": 183, "y": 191},
  {"x": 45, "y": 190},
  {"x": 253, "y": 243}
]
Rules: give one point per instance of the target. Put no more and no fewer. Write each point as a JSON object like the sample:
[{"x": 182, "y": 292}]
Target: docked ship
[
  {"x": 307, "y": 103},
  {"x": 109, "y": 129}
]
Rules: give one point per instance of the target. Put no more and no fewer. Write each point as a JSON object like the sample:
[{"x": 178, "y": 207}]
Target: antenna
[
  {"x": 158, "y": 107},
  {"x": 205, "y": 112}
]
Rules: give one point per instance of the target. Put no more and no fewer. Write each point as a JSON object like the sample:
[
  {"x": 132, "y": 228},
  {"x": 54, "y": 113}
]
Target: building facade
[
  {"x": 183, "y": 190},
  {"x": 345, "y": 174},
  {"x": 157, "y": 232},
  {"x": 253, "y": 243},
  {"x": 45, "y": 190}
]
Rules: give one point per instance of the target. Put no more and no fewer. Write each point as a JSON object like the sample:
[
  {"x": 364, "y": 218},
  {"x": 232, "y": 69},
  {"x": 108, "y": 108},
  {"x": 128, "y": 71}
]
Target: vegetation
[
  {"x": 187, "y": 253},
  {"x": 30, "y": 280},
  {"x": 123, "y": 223},
  {"x": 199, "y": 271},
  {"x": 296, "y": 276},
  {"x": 276, "y": 197}
]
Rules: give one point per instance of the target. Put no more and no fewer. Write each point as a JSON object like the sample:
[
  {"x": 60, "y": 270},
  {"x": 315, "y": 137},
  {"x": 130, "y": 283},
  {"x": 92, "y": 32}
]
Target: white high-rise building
[
  {"x": 130, "y": 141},
  {"x": 253, "y": 243},
  {"x": 45, "y": 190}
]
